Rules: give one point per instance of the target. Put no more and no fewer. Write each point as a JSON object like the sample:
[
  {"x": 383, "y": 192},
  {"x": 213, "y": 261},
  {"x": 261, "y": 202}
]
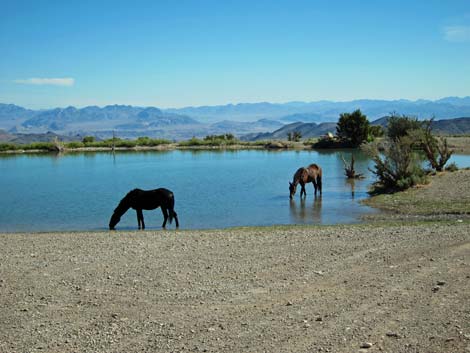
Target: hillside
[
  {"x": 457, "y": 126},
  {"x": 306, "y": 129},
  {"x": 322, "y": 111},
  {"x": 244, "y": 119}
]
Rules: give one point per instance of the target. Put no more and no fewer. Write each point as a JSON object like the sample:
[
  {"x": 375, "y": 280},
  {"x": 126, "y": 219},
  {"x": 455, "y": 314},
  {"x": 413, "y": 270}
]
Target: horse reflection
[{"x": 305, "y": 212}]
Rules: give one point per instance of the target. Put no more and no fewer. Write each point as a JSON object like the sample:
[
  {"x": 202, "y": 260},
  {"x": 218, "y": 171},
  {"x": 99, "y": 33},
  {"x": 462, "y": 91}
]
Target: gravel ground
[{"x": 393, "y": 288}]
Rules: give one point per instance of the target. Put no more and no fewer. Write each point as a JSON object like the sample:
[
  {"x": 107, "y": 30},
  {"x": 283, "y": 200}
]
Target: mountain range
[{"x": 239, "y": 119}]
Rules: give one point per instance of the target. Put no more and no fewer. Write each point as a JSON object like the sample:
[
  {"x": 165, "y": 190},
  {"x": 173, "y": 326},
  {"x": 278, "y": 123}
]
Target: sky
[{"x": 175, "y": 53}]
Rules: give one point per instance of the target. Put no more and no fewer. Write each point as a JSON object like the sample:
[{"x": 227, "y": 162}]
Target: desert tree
[{"x": 353, "y": 128}]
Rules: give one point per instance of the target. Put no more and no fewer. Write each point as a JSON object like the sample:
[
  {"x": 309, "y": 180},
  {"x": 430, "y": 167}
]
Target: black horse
[{"x": 146, "y": 200}]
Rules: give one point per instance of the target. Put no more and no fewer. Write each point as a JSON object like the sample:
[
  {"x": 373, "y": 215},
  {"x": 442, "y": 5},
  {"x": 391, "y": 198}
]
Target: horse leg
[
  {"x": 165, "y": 216},
  {"x": 315, "y": 186},
  {"x": 140, "y": 219},
  {"x": 175, "y": 216},
  {"x": 302, "y": 191}
]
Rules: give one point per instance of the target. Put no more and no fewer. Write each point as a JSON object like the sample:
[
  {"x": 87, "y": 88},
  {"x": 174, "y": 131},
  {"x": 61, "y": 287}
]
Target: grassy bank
[{"x": 447, "y": 194}]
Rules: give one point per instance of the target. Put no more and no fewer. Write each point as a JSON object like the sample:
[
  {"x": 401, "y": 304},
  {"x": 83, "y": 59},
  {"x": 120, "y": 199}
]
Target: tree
[
  {"x": 436, "y": 149},
  {"x": 349, "y": 169},
  {"x": 88, "y": 139},
  {"x": 376, "y": 131},
  {"x": 399, "y": 126},
  {"x": 353, "y": 128}
]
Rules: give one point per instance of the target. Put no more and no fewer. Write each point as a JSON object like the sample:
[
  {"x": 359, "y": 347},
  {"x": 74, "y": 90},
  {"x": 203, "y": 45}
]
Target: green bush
[
  {"x": 45, "y": 146},
  {"x": 88, "y": 139},
  {"x": 8, "y": 147},
  {"x": 331, "y": 143},
  {"x": 75, "y": 144},
  {"x": 399, "y": 126},
  {"x": 376, "y": 131},
  {"x": 147, "y": 141},
  {"x": 398, "y": 167},
  {"x": 452, "y": 167},
  {"x": 211, "y": 140}
]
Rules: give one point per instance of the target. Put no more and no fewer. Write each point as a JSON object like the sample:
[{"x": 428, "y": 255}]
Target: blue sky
[{"x": 174, "y": 53}]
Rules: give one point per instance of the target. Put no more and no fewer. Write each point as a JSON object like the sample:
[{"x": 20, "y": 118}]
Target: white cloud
[
  {"x": 457, "y": 33},
  {"x": 63, "y": 81}
]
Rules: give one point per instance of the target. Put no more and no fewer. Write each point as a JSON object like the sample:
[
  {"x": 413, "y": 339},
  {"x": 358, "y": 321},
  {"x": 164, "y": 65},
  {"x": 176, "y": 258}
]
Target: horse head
[
  {"x": 115, "y": 218},
  {"x": 292, "y": 190}
]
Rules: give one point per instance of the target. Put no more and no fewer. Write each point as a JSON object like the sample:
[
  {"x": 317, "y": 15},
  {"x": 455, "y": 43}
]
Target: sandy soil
[{"x": 397, "y": 288}]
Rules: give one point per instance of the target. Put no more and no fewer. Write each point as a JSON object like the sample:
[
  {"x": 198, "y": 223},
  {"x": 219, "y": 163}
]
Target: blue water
[{"x": 212, "y": 189}]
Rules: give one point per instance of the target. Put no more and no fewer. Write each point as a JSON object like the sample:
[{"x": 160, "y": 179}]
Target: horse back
[{"x": 315, "y": 170}]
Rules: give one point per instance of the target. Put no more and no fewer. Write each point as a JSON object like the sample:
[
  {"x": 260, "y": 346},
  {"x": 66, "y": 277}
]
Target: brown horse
[{"x": 310, "y": 174}]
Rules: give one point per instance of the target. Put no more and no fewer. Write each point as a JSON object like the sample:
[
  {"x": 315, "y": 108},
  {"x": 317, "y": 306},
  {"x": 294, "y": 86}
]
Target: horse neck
[
  {"x": 296, "y": 179},
  {"x": 123, "y": 206}
]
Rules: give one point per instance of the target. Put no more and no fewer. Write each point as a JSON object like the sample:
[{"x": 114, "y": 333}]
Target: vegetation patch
[{"x": 447, "y": 193}]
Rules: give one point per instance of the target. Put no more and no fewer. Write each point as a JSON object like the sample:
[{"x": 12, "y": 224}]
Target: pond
[{"x": 213, "y": 189}]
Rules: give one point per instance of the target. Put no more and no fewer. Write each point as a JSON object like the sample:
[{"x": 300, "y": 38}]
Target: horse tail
[
  {"x": 319, "y": 177},
  {"x": 171, "y": 206}
]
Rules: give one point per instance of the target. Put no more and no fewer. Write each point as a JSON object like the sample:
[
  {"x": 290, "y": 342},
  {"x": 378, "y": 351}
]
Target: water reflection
[
  {"x": 352, "y": 185},
  {"x": 306, "y": 210}
]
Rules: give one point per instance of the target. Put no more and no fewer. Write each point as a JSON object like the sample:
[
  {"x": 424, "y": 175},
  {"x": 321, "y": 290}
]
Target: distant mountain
[
  {"x": 5, "y": 136},
  {"x": 46, "y": 137},
  {"x": 240, "y": 127},
  {"x": 321, "y": 111},
  {"x": 458, "y": 101},
  {"x": 238, "y": 119},
  {"x": 11, "y": 115},
  {"x": 457, "y": 126},
  {"x": 109, "y": 117},
  {"x": 303, "y": 117},
  {"x": 306, "y": 129}
]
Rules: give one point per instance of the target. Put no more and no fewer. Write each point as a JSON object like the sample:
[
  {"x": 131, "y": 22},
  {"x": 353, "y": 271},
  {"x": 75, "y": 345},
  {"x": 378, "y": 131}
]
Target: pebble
[
  {"x": 441, "y": 283},
  {"x": 289, "y": 303},
  {"x": 392, "y": 334},
  {"x": 366, "y": 345}
]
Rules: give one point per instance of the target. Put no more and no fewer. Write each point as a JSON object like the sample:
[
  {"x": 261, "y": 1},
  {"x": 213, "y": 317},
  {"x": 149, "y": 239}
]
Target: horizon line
[{"x": 238, "y": 103}]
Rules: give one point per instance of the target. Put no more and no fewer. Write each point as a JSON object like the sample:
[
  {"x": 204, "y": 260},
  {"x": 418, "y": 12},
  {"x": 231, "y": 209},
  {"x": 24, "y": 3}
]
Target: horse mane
[
  {"x": 314, "y": 165},
  {"x": 124, "y": 204},
  {"x": 298, "y": 175}
]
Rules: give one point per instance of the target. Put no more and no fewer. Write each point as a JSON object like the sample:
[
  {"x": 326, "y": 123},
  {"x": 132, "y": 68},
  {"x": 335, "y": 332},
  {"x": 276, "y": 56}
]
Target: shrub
[
  {"x": 399, "y": 126},
  {"x": 8, "y": 147},
  {"x": 452, "y": 167},
  {"x": 46, "y": 146},
  {"x": 75, "y": 144},
  {"x": 436, "y": 149},
  {"x": 376, "y": 131},
  {"x": 88, "y": 139},
  {"x": 398, "y": 167},
  {"x": 294, "y": 136}
]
